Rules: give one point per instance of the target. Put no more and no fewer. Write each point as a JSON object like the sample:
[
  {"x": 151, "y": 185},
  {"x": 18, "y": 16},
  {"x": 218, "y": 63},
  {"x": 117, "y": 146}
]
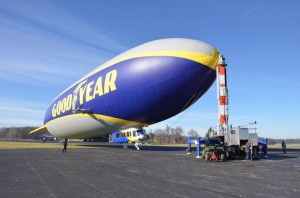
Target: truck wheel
[
  {"x": 223, "y": 156},
  {"x": 206, "y": 156}
]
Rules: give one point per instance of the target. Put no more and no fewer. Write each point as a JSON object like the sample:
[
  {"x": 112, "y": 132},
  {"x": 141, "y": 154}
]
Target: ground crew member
[
  {"x": 137, "y": 145},
  {"x": 248, "y": 148},
  {"x": 263, "y": 150},
  {"x": 65, "y": 145},
  {"x": 283, "y": 144}
]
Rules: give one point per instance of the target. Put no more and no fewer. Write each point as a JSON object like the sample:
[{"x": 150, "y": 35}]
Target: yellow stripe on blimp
[
  {"x": 103, "y": 117},
  {"x": 204, "y": 59},
  {"x": 120, "y": 121}
]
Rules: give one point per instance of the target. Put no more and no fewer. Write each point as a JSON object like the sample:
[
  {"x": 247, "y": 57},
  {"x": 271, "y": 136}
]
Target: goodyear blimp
[{"x": 142, "y": 86}]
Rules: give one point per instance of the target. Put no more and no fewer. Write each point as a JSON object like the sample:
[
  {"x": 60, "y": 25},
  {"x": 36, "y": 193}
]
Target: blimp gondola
[{"x": 142, "y": 86}]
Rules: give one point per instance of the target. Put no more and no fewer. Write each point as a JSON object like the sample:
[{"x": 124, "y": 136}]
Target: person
[
  {"x": 283, "y": 144},
  {"x": 188, "y": 151},
  {"x": 137, "y": 145},
  {"x": 248, "y": 148},
  {"x": 263, "y": 150},
  {"x": 65, "y": 145}
]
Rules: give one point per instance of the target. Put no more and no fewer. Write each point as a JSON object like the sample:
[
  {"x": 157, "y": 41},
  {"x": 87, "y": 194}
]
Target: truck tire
[
  {"x": 206, "y": 156},
  {"x": 222, "y": 157}
]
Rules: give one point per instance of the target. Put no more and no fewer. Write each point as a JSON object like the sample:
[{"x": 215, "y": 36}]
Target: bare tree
[
  {"x": 20, "y": 133},
  {"x": 159, "y": 136},
  {"x": 193, "y": 134},
  {"x": 177, "y": 135}
]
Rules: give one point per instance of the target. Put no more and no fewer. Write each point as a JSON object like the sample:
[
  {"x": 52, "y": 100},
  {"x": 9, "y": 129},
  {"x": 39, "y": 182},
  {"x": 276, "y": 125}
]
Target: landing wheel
[
  {"x": 222, "y": 157},
  {"x": 206, "y": 156}
]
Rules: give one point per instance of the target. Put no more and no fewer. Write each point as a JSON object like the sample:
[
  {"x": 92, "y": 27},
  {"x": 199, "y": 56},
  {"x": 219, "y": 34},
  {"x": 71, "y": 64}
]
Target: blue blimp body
[{"x": 143, "y": 86}]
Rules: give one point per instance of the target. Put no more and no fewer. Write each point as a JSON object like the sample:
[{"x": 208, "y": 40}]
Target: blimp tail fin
[{"x": 38, "y": 129}]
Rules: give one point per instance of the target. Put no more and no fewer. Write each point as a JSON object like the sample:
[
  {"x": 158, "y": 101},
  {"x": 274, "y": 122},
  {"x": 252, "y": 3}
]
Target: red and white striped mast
[{"x": 222, "y": 96}]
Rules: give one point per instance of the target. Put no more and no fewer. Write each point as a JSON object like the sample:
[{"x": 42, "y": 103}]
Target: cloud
[
  {"x": 42, "y": 48},
  {"x": 21, "y": 113},
  {"x": 19, "y": 103},
  {"x": 20, "y": 110},
  {"x": 9, "y": 122},
  {"x": 30, "y": 58},
  {"x": 65, "y": 23},
  {"x": 250, "y": 11}
]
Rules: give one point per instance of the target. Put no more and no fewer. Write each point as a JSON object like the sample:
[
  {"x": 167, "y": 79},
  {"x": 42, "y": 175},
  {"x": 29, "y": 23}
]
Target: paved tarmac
[{"x": 111, "y": 171}]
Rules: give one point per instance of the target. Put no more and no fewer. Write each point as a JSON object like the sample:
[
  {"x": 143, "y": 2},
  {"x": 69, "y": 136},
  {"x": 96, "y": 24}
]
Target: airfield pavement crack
[
  {"x": 37, "y": 174},
  {"x": 95, "y": 187},
  {"x": 81, "y": 178}
]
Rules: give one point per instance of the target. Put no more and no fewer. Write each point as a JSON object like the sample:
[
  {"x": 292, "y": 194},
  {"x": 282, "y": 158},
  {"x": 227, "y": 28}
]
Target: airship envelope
[{"x": 142, "y": 86}]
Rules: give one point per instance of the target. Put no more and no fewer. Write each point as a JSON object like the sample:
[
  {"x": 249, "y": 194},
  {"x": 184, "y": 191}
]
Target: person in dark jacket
[
  {"x": 283, "y": 144},
  {"x": 65, "y": 145},
  {"x": 248, "y": 150}
]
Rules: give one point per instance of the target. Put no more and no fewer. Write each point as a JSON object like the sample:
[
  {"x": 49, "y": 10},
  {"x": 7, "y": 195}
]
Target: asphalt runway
[{"x": 111, "y": 171}]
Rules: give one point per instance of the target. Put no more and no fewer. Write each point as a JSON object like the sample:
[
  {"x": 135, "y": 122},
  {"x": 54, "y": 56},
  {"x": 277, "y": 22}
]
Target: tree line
[
  {"x": 168, "y": 135},
  {"x": 9, "y": 133}
]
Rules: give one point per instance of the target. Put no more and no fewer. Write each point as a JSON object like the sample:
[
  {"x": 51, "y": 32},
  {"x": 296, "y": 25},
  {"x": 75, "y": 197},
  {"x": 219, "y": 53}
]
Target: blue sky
[{"x": 45, "y": 46}]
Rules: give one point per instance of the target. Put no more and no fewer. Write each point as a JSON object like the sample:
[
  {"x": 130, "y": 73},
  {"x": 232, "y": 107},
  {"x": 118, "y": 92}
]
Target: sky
[{"x": 45, "y": 46}]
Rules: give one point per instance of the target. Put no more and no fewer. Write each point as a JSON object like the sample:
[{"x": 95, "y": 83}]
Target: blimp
[{"x": 142, "y": 86}]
